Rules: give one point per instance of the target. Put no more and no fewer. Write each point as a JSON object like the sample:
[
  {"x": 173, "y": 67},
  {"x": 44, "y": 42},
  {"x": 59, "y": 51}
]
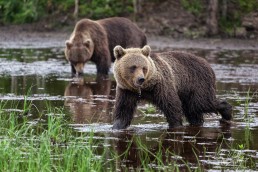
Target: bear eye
[
  {"x": 144, "y": 70},
  {"x": 132, "y": 68}
]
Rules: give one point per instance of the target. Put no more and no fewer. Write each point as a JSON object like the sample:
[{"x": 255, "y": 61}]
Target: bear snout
[
  {"x": 141, "y": 80},
  {"x": 79, "y": 68}
]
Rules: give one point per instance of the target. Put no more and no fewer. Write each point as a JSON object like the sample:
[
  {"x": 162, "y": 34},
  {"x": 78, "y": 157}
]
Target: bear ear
[
  {"x": 68, "y": 44},
  {"x": 146, "y": 50},
  {"x": 86, "y": 43},
  {"x": 119, "y": 52}
]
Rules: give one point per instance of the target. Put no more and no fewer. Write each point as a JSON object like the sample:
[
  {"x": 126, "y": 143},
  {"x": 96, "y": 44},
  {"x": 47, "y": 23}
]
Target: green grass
[
  {"x": 148, "y": 109},
  {"x": 45, "y": 146},
  {"x": 51, "y": 144}
]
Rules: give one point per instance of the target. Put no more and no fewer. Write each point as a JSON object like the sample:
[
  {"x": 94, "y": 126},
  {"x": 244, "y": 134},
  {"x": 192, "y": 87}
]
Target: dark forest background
[{"x": 176, "y": 18}]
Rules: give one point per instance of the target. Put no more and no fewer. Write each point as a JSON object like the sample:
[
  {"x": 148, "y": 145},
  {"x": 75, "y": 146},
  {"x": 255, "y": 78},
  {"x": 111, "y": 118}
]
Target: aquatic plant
[
  {"x": 26, "y": 103},
  {"x": 27, "y": 146},
  {"x": 148, "y": 109}
]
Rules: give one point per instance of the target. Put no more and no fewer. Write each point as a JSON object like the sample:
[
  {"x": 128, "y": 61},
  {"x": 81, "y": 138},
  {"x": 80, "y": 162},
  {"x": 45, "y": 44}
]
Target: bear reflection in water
[
  {"x": 174, "y": 148},
  {"x": 90, "y": 101}
]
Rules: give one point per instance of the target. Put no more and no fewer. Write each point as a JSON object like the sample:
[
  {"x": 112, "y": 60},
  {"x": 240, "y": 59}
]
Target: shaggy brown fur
[
  {"x": 95, "y": 40},
  {"x": 177, "y": 83}
]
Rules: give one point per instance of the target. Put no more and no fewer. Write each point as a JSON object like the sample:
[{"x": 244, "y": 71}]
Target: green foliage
[
  {"x": 193, "y": 6},
  {"x": 149, "y": 109},
  {"x": 236, "y": 9},
  {"x": 96, "y": 9},
  {"x": 234, "y": 15},
  {"x": 14, "y": 11},
  {"x": 228, "y": 26},
  {"x": 247, "y": 6},
  {"x": 27, "y": 11}
]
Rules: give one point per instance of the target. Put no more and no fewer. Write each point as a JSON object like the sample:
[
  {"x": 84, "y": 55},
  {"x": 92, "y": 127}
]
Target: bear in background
[
  {"x": 95, "y": 40},
  {"x": 177, "y": 83}
]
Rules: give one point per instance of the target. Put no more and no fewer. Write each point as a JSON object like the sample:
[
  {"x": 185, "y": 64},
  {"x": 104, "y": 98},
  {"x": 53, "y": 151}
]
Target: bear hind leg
[
  {"x": 195, "y": 119},
  {"x": 192, "y": 113}
]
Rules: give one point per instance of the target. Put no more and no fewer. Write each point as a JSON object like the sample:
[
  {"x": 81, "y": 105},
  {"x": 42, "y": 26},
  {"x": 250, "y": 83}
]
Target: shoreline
[{"x": 17, "y": 38}]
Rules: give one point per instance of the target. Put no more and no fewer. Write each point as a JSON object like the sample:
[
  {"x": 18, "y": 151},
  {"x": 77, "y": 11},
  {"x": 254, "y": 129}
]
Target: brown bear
[
  {"x": 95, "y": 41},
  {"x": 177, "y": 83}
]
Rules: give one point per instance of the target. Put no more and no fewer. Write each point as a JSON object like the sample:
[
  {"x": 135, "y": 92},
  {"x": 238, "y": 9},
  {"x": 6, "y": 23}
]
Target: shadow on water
[{"x": 89, "y": 101}]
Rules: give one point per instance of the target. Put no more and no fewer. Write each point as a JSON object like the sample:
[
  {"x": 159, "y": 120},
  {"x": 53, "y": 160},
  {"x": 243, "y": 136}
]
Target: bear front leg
[
  {"x": 125, "y": 105},
  {"x": 171, "y": 106},
  {"x": 225, "y": 109},
  {"x": 102, "y": 59},
  {"x": 73, "y": 71},
  {"x": 103, "y": 67}
]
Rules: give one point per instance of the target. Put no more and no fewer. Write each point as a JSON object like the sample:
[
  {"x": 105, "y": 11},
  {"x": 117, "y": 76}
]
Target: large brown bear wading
[
  {"x": 177, "y": 83},
  {"x": 95, "y": 40}
]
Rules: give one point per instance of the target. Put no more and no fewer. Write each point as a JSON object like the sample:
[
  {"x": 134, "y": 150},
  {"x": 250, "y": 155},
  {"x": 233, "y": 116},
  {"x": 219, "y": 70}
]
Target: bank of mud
[{"x": 18, "y": 37}]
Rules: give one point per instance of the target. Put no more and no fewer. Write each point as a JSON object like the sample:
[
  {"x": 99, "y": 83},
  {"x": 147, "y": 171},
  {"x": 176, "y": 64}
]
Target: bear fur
[
  {"x": 177, "y": 83},
  {"x": 95, "y": 40}
]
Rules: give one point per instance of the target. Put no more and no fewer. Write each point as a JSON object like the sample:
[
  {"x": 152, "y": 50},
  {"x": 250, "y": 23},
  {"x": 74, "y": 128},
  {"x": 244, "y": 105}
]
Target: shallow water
[{"x": 44, "y": 76}]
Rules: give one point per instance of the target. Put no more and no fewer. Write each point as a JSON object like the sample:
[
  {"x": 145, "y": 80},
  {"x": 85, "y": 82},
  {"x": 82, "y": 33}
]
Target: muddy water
[{"x": 44, "y": 76}]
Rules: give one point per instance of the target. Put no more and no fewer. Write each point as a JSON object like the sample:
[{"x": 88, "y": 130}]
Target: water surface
[{"x": 43, "y": 75}]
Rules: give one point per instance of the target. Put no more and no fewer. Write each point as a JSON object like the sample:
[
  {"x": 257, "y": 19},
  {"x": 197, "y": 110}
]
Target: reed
[{"x": 51, "y": 144}]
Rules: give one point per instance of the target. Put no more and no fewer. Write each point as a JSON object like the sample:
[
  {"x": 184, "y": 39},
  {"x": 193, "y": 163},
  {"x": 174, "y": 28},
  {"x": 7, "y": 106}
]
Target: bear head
[
  {"x": 78, "y": 53},
  {"x": 133, "y": 67}
]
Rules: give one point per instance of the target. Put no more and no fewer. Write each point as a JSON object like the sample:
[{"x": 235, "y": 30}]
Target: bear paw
[
  {"x": 119, "y": 125},
  {"x": 225, "y": 122}
]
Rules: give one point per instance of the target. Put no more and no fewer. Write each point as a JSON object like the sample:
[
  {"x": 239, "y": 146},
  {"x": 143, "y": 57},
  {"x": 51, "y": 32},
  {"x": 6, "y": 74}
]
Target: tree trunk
[
  {"x": 224, "y": 8},
  {"x": 137, "y": 8},
  {"x": 212, "y": 20},
  {"x": 76, "y": 9}
]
